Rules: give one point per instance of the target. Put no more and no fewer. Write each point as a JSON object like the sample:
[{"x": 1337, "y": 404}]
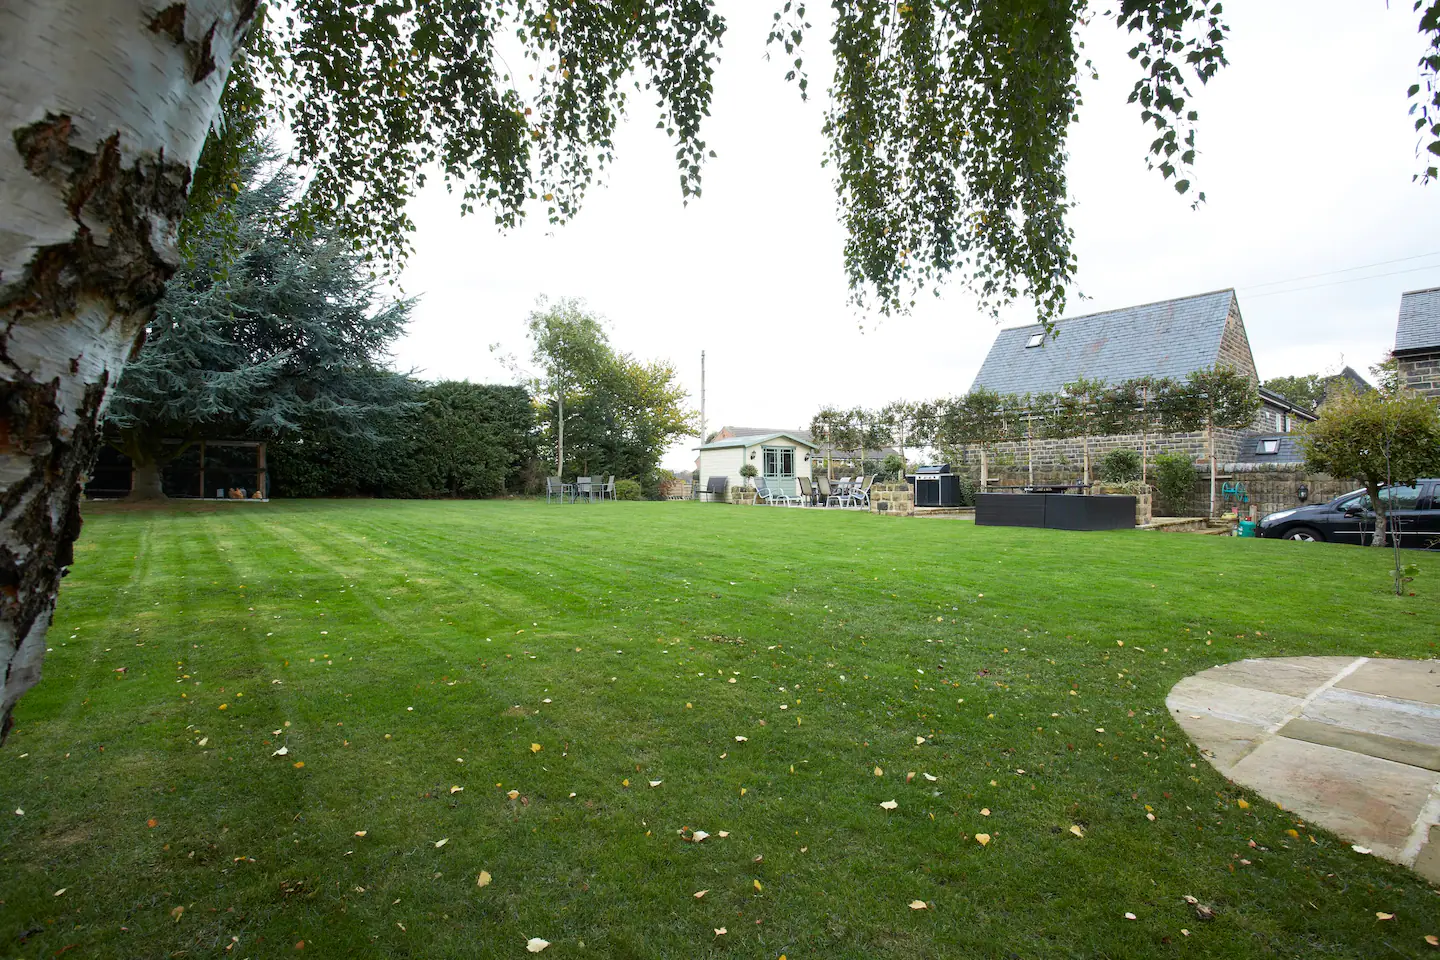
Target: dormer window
[
  {"x": 1036, "y": 339},
  {"x": 1269, "y": 446}
]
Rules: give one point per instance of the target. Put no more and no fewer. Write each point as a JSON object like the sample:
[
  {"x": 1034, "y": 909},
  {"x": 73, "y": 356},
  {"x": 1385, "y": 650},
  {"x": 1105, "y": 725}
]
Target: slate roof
[
  {"x": 1172, "y": 338},
  {"x": 1288, "y": 452},
  {"x": 1419, "y": 326}
]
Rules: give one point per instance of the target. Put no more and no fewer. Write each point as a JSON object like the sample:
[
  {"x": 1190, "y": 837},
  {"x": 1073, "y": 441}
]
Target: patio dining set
[
  {"x": 589, "y": 489},
  {"x": 821, "y": 492}
]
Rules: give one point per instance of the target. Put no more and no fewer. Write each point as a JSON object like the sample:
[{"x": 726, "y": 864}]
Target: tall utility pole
[{"x": 702, "y": 398}]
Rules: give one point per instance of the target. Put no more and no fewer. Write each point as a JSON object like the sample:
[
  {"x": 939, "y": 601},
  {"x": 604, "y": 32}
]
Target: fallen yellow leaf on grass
[
  {"x": 758, "y": 888},
  {"x": 985, "y": 812},
  {"x": 700, "y": 893},
  {"x": 441, "y": 843},
  {"x": 536, "y": 748},
  {"x": 1433, "y": 940},
  {"x": 456, "y": 789},
  {"x": 918, "y": 905},
  {"x": 879, "y": 772},
  {"x": 361, "y": 833},
  {"x": 720, "y": 931},
  {"x": 889, "y": 805},
  {"x": 928, "y": 777},
  {"x": 919, "y": 740},
  {"x": 484, "y": 879},
  {"x": 656, "y": 783},
  {"x": 1384, "y": 916},
  {"x": 723, "y": 834},
  {"x": 1075, "y": 829},
  {"x": 298, "y": 764},
  {"x": 625, "y": 782},
  {"x": 177, "y": 913},
  {"x": 982, "y": 838},
  {"x": 535, "y": 944},
  {"x": 1243, "y": 804},
  {"x": 741, "y": 739},
  {"x": 513, "y": 794},
  {"x": 1293, "y": 833}
]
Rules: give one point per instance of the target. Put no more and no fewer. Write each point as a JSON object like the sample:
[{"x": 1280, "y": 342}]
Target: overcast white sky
[{"x": 1306, "y": 155}]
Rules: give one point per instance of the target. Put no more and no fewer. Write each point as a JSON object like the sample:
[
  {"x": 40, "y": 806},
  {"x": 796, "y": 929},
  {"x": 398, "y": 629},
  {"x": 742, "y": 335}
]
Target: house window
[
  {"x": 779, "y": 461},
  {"x": 1268, "y": 446},
  {"x": 1036, "y": 339}
]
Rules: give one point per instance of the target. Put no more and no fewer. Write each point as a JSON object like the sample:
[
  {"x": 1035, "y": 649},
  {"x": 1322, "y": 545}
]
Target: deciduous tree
[{"x": 1377, "y": 437}]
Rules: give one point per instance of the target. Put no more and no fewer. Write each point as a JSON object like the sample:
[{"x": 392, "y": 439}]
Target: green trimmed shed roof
[{"x": 756, "y": 440}]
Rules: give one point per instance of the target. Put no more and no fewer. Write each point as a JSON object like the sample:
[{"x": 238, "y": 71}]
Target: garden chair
[
  {"x": 716, "y": 487},
  {"x": 774, "y": 497},
  {"x": 584, "y": 487},
  {"x": 860, "y": 495},
  {"x": 609, "y": 490},
  {"x": 839, "y": 493},
  {"x": 555, "y": 487},
  {"x": 807, "y": 490}
]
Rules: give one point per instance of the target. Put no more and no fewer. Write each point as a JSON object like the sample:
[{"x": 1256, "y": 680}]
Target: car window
[
  {"x": 1361, "y": 501},
  {"x": 1396, "y": 498},
  {"x": 1400, "y": 498}
]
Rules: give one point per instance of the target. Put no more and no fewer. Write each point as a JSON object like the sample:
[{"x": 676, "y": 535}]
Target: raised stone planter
[{"x": 744, "y": 496}]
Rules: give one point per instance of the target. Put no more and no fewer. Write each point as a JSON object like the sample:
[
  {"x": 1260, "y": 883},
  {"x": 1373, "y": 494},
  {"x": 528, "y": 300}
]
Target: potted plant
[{"x": 749, "y": 472}]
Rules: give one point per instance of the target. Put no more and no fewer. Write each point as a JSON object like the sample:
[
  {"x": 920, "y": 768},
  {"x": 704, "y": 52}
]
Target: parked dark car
[{"x": 1414, "y": 509}]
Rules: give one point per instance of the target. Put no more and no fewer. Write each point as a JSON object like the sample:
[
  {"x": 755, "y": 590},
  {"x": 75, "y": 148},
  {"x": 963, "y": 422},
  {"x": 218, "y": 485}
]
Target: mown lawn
[{"x": 764, "y": 666}]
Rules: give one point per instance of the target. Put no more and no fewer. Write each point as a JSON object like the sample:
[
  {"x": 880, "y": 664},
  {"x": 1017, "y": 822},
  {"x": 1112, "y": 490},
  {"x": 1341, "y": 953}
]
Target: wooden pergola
[{"x": 260, "y": 469}]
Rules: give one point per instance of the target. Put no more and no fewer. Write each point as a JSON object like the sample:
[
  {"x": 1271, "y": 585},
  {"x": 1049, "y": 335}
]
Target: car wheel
[{"x": 1306, "y": 534}]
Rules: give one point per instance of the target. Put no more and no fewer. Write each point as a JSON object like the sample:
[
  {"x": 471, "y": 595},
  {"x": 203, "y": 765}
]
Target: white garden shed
[{"x": 779, "y": 458}]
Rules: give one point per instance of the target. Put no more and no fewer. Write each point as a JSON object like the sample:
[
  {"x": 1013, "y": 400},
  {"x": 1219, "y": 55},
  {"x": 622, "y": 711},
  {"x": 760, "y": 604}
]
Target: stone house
[
  {"x": 1417, "y": 341},
  {"x": 1172, "y": 338}
]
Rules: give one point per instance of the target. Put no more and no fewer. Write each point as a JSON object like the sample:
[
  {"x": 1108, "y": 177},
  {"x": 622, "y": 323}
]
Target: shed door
[{"x": 780, "y": 467}]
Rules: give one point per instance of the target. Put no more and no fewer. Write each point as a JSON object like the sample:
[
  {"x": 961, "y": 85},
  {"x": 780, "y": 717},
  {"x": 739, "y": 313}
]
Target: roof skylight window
[{"x": 1036, "y": 339}]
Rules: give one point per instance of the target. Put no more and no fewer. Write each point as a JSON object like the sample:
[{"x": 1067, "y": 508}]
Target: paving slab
[
  {"x": 1291, "y": 676},
  {"x": 1367, "y": 713},
  {"x": 1224, "y": 741},
  {"x": 1203, "y": 694},
  {"x": 1348, "y": 743},
  {"x": 1397, "y": 678},
  {"x": 1427, "y": 864},
  {"x": 1364, "y": 799},
  {"x": 1371, "y": 744}
]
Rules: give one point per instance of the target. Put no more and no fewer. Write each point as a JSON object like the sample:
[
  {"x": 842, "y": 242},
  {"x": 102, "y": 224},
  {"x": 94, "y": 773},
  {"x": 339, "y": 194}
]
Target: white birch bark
[{"x": 104, "y": 106}]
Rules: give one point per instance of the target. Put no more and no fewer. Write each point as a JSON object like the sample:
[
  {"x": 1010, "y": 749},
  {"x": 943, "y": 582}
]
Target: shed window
[
  {"x": 779, "y": 461},
  {"x": 1036, "y": 339},
  {"x": 1267, "y": 447}
]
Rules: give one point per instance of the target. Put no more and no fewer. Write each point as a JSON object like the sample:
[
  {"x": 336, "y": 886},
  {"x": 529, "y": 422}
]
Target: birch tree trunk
[{"x": 104, "y": 106}]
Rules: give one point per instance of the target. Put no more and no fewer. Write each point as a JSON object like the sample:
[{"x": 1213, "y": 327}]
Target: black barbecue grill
[{"x": 935, "y": 486}]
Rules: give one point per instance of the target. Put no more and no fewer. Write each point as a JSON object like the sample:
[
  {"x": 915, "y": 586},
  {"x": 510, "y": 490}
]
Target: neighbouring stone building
[
  {"x": 1417, "y": 341},
  {"x": 1172, "y": 338}
]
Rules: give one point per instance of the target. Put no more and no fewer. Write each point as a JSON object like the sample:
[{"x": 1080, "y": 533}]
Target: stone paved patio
[{"x": 1350, "y": 743}]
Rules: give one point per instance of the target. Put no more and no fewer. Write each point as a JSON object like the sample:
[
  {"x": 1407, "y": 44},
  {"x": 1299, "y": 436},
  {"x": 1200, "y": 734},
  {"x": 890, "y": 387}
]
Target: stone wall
[
  {"x": 892, "y": 499},
  {"x": 1270, "y": 487},
  {"x": 1421, "y": 373},
  {"x": 1235, "y": 350},
  {"x": 1063, "y": 461}
]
